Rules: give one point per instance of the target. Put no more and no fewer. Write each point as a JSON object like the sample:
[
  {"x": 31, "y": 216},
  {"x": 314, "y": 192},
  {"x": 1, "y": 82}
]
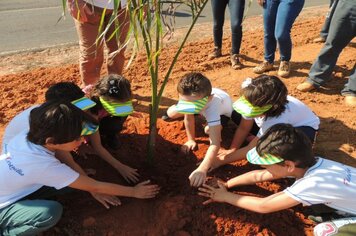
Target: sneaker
[
  {"x": 284, "y": 69},
  {"x": 306, "y": 87},
  {"x": 319, "y": 40},
  {"x": 216, "y": 53},
  {"x": 263, "y": 67},
  {"x": 350, "y": 100},
  {"x": 235, "y": 62}
]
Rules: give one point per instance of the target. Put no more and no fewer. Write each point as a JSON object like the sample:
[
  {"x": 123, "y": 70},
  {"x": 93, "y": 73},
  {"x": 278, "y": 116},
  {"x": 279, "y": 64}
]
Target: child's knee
[
  {"x": 172, "y": 112},
  {"x": 49, "y": 213}
]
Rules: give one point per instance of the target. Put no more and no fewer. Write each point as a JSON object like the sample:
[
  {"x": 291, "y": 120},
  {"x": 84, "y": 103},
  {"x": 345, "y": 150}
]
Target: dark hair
[
  {"x": 267, "y": 90},
  {"x": 61, "y": 121},
  {"x": 67, "y": 91},
  {"x": 114, "y": 87},
  {"x": 194, "y": 83},
  {"x": 289, "y": 143}
]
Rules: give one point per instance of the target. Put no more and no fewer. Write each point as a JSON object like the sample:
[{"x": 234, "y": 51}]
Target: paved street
[{"x": 31, "y": 24}]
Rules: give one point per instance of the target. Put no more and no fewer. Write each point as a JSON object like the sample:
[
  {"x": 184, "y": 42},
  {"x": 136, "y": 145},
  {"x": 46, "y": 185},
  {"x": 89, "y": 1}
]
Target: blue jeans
[
  {"x": 325, "y": 29},
  {"x": 32, "y": 214},
  {"x": 278, "y": 19},
  {"x": 342, "y": 30},
  {"x": 236, "y": 8}
]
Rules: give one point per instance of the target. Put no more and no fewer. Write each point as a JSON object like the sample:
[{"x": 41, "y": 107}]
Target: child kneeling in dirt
[
  {"x": 265, "y": 102},
  {"x": 286, "y": 151},
  {"x": 196, "y": 96},
  {"x": 29, "y": 171},
  {"x": 70, "y": 92}
]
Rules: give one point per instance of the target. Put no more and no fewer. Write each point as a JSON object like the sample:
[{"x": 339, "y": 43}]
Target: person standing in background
[
  {"x": 278, "y": 19},
  {"x": 236, "y": 8},
  {"x": 325, "y": 29},
  {"x": 87, "y": 16}
]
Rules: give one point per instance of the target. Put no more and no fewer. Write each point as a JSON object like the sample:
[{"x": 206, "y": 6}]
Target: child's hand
[
  {"x": 225, "y": 152},
  {"x": 106, "y": 200},
  {"x": 129, "y": 174},
  {"x": 197, "y": 178},
  {"x": 190, "y": 145},
  {"x": 215, "y": 194},
  {"x": 144, "y": 190}
]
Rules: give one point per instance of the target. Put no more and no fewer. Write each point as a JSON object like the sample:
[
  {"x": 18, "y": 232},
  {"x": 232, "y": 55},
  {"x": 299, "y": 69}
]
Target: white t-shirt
[
  {"x": 220, "y": 104},
  {"x": 108, "y": 4},
  {"x": 327, "y": 182},
  {"x": 27, "y": 167},
  {"x": 296, "y": 113},
  {"x": 18, "y": 124}
]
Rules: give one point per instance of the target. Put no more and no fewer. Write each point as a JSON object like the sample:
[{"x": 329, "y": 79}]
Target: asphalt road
[{"x": 32, "y": 24}]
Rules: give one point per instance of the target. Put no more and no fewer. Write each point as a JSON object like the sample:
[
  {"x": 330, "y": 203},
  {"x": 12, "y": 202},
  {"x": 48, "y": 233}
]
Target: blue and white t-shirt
[
  {"x": 296, "y": 114},
  {"x": 327, "y": 182},
  {"x": 26, "y": 167}
]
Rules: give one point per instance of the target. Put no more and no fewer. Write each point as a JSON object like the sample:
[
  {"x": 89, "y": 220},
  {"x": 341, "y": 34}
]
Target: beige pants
[{"x": 91, "y": 53}]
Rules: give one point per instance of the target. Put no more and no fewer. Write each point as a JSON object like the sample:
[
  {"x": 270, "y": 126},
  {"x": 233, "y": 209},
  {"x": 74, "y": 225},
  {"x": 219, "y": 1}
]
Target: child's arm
[
  {"x": 241, "y": 133},
  {"x": 141, "y": 190},
  {"x": 106, "y": 200},
  {"x": 240, "y": 154},
  {"x": 127, "y": 172},
  {"x": 272, "y": 203},
  {"x": 251, "y": 177},
  {"x": 189, "y": 123},
  {"x": 198, "y": 176}
]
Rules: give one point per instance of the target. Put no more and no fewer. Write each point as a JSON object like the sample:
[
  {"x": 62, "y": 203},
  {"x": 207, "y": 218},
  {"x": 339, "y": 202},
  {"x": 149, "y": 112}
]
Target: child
[
  {"x": 266, "y": 102},
  {"x": 286, "y": 151},
  {"x": 112, "y": 95},
  {"x": 72, "y": 93},
  {"x": 29, "y": 165},
  {"x": 196, "y": 96}
]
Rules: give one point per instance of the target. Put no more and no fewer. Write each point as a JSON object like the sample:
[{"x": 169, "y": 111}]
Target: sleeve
[
  {"x": 307, "y": 191},
  {"x": 212, "y": 114},
  {"x": 57, "y": 175}
]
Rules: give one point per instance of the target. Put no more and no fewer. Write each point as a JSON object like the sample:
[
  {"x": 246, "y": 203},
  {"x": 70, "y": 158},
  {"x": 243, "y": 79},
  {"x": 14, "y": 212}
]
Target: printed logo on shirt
[{"x": 7, "y": 158}]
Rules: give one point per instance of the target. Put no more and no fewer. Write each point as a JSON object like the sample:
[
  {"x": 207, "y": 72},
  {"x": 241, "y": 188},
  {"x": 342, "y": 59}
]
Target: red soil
[{"x": 178, "y": 210}]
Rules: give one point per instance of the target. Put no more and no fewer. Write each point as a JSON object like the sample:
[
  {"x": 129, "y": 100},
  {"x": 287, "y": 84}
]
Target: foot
[
  {"x": 284, "y": 69},
  {"x": 306, "y": 87},
  {"x": 216, "y": 53},
  {"x": 263, "y": 67},
  {"x": 235, "y": 62},
  {"x": 350, "y": 100},
  {"x": 319, "y": 40}
]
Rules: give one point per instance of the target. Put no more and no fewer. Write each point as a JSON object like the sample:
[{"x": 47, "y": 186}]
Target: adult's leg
[
  {"x": 116, "y": 46},
  {"x": 29, "y": 217},
  {"x": 325, "y": 29},
  {"x": 236, "y": 8},
  {"x": 339, "y": 227},
  {"x": 270, "y": 8},
  {"x": 287, "y": 12},
  {"x": 350, "y": 87},
  {"x": 218, "y": 7},
  {"x": 91, "y": 54},
  {"x": 342, "y": 31}
]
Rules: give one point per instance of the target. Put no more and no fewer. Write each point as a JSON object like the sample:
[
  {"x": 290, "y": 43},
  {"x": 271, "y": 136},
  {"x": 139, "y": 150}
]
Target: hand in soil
[
  {"x": 106, "y": 200},
  {"x": 129, "y": 174},
  {"x": 197, "y": 178},
  {"x": 145, "y": 190},
  {"x": 215, "y": 194},
  {"x": 189, "y": 146}
]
